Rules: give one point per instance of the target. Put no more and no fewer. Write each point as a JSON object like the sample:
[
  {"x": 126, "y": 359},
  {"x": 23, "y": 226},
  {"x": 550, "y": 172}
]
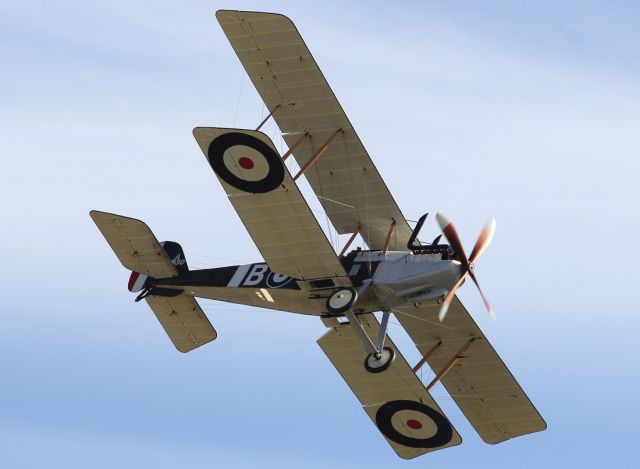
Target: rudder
[{"x": 138, "y": 281}]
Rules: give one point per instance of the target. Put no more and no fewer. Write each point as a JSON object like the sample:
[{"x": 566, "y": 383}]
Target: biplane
[{"x": 302, "y": 272}]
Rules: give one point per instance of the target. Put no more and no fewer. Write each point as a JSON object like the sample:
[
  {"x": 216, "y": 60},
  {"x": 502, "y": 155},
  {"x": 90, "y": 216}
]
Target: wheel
[
  {"x": 341, "y": 300},
  {"x": 375, "y": 364}
]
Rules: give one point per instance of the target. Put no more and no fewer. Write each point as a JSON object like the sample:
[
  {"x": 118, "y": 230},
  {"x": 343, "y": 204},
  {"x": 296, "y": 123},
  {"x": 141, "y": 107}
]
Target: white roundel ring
[
  {"x": 246, "y": 162},
  {"x": 341, "y": 300}
]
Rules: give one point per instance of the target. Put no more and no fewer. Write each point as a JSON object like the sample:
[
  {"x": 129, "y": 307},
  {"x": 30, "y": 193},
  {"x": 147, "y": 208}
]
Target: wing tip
[{"x": 220, "y": 14}]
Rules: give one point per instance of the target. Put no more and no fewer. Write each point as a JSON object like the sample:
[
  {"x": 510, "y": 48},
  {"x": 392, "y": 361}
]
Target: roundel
[
  {"x": 277, "y": 280},
  {"x": 413, "y": 424},
  {"x": 246, "y": 162}
]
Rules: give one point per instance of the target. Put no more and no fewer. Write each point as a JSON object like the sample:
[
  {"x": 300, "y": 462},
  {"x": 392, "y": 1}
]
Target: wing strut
[
  {"x": 388, "y": 240},
  {"x": 264, "y": 121},
  {"x": 424, "y": 359},
  {"x": 294, "y": 146},
  {"x": 317, "y": 154},
  {"x": 346, "y": 246},
  {"x": 452, "y": 362}
]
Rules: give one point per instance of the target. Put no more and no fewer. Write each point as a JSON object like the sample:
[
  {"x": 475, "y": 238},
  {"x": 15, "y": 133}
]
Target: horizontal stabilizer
[
  {"x": 395, "y": 399},
  {"x": 183, "y": 320},
  {"x": 134, "y": 244}
]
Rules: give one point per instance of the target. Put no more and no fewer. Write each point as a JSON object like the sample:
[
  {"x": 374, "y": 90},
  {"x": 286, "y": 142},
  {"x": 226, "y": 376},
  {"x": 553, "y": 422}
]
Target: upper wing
[
  {"x": 270, "y": 204},
  {"x": 287, "y": 77},
  {"x": 480, "y": 383},
  {"x": 395, "y": 400}
]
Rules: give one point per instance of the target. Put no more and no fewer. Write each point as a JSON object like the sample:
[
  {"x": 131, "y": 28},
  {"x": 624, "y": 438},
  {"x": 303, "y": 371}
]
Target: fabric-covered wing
[
  {"x": 134, "y": 244},
  {"x": 480, "y": 383},
  {"x": 270, "y": 204},
  {"x": 287, "y": 77},
  {"x": 183, "y": 320},
  {"x": 395, "y": 400}
]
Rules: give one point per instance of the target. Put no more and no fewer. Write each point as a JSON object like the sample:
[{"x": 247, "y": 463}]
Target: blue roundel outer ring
[
  {"x": 222, "y": 143},
  {"x": 443, "y": 435}
]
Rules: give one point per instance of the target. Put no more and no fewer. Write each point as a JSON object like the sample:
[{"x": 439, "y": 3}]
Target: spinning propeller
[{"x": 486, "y": 235}]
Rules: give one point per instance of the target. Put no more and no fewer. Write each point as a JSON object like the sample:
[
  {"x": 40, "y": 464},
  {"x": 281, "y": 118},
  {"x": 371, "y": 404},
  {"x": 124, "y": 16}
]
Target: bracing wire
[
  {"x": 190, "y": 254},
  {"x": 439, "y": 324},
  {"x": 235, "y": 118}
]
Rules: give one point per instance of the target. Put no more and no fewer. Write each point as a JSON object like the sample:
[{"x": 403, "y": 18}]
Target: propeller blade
[
  {"x": 485, "y": 238},
  {"x": 483, "y": 242},
  {"x": 449, "y": 298},
  {"x": 484, "y": 298},
  {"x": 452, "y": 236}
]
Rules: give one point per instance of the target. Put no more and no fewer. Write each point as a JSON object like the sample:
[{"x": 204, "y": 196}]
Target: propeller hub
[{"x": 467, "y": 263}]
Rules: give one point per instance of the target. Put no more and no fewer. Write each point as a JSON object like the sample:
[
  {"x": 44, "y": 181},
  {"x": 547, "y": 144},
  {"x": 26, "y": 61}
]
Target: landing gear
[
  {"x": 379, "y": 358},
  {"x": 341, "y": 300},
  {"x": 378, "y": 362}
]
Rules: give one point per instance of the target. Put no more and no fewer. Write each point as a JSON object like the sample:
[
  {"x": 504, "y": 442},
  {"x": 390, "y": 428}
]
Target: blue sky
[{"x": 525, "y": 111}]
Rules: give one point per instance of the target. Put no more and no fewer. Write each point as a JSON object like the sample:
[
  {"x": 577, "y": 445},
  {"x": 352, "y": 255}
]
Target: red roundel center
[
  {"x": 411, "y": 423},
  {"x": 245, "y": 163}
]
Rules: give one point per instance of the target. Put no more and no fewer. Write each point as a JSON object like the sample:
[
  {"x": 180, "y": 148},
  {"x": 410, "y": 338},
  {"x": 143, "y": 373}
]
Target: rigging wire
[
  {"x": 235, "y": 118},
  {"x": 189, "y": 254},
  {"x": 334, "y": 201},
  {"x": 396, "y": 310},
  {"x": 366, "y": 212}
]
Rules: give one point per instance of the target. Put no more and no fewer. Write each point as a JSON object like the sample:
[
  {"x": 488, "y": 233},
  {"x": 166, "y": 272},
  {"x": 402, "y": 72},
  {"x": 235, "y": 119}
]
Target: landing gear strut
[{"x": 379, "y": 357}]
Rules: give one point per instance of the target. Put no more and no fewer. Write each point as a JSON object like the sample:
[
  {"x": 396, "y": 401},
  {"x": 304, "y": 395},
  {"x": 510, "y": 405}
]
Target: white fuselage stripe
[
  {"x": 137, "y": 286},
  {"x": 239, "y": 275}
]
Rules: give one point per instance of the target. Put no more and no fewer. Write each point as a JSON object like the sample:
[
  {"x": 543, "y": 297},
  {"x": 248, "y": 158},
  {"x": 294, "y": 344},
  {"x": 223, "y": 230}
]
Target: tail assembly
[
  {"x": 139, "y": 281},
  {"x": 139, "y": 251}
]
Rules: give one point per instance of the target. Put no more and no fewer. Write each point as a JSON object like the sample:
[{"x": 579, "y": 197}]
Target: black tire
[
  {"x": 376, "y": 365},
  {"x": 341, "y": 300}
]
